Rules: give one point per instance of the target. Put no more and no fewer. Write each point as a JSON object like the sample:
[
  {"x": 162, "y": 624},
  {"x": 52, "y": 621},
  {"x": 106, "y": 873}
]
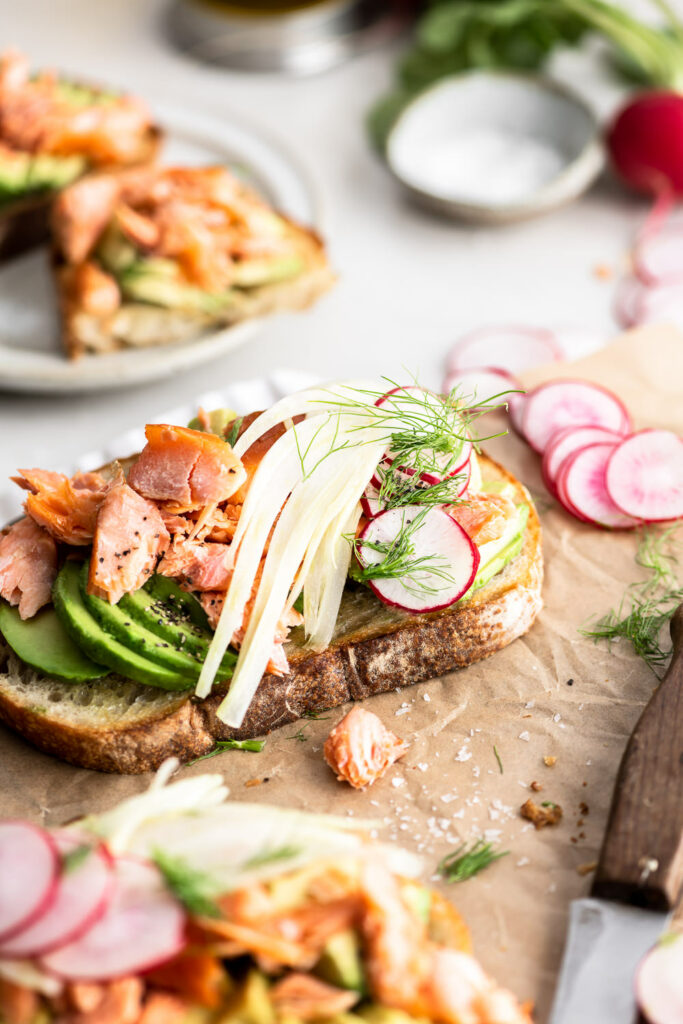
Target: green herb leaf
[
  {"x": 196, "y": 890},
  {"x": 271, "y": 856},
  {"x": 233, "y": 433},
  {"x": 463, "y": 863},
  {"x": 500, "y": 763},
  {"x": 647, "y": 607},
  {"x": 255, "y": 746}
]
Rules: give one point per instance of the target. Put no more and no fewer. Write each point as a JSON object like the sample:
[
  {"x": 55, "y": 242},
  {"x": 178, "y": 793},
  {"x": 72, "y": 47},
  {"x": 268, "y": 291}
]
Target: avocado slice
[
  {"x": 419, "y": 899},
  {"x": 114, "y": 251},
  {"x": 100, "y": 645},
  {"x": 251, "y": 273},
  {"x": 341, "y": 963},
  {"x": 165, "y": 589},
  {"x": 136, "y": 637},
  {"x": 172, "y": 625},
  {"x": 373, "y": 1013},
  {"x": 43, "y": 643},
  {"x": 14, "y": 170},
  {"x": 54, "y": 172},
  {"x": 219, "y": 421},
  {"x": 253, "y": 1004},
  {"x": 143, "y": 283},
  {"x": 504, "y": 556}
]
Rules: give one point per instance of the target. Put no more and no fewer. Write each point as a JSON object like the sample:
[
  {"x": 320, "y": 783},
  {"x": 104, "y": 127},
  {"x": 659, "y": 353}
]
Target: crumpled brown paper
[{"x": 551, "y": 694}]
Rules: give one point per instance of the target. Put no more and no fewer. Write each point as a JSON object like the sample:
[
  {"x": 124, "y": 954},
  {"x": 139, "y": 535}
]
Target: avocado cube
[{"x": 341, "y": 963}]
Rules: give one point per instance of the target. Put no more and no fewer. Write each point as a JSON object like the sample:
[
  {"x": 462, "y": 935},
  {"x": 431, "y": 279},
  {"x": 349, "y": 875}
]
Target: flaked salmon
[
  {"x": 187, "y": 469},
  {"x": 81, "y": 212},
  {"x": 129, "y": 538},
  {"x": 360, "y": 748},
  {"x": 28, "y": 566},
  {"x": 38, "y": 115},
  {"x": 18, "y": 1005},
  {"x": 307, "y": 998},
  {"x": 198, "y": 566},
  {"x": 65, "y": 506},
  {"x": 410, "y": 972},
  {"x": 483, "y": 517},
  {"x": 198, "y": 977}
]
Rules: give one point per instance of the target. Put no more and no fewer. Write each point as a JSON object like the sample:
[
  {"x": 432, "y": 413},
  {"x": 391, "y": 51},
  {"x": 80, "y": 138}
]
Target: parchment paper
[{"x": 552, "y": 693}]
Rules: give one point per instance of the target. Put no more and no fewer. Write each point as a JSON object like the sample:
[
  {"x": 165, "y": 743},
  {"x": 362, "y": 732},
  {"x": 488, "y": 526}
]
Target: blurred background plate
[{"x": 31, "y": 356}]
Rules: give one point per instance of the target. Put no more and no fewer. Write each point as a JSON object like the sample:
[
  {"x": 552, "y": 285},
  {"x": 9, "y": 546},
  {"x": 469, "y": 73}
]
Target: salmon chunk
[
  {"x": 483, "y": 517},
  {"x": 28, "y": 566},
  {"x": 129, "y": 537},
  {"x": 66, "y": 507},
  {"x": 188, "y": 469},
  {"x": 198, "y": 566},
  {"x": 360, "y": 748},
  {"x": 81, "y": 213},
  {"x": 18, "y": 1005},
  {"x": 307, "y": 998}
]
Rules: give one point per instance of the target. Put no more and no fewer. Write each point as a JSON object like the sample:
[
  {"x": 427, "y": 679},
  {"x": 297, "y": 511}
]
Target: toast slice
[
  {"x": 171, "y": 253},
  {"x": 115, "y": 725}
]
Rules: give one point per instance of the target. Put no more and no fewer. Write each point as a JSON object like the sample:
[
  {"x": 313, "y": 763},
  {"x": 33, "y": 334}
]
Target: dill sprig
[
  {"x": 463, "y": 863},
  {"x": 497, "y": 755},
  {"x": 255, "y": 746},
  {"x": 419, "y": 574},
  {"x": 397, "y": 488},
  {"x": 74, "y": 858},
  {"x": 196, "y": 890},
  {"x": 648, "y": 605}
]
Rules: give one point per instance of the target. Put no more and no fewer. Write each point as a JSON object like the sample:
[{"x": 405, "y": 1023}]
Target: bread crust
[{"x": 376, "y": 649}]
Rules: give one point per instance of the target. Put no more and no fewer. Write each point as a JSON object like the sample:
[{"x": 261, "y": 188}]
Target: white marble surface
[{"x": 409, "y": 283}]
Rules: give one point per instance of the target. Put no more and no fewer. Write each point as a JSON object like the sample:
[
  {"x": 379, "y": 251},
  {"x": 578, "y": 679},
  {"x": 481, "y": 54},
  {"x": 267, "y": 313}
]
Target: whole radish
[{"x": 646, "y": 143}]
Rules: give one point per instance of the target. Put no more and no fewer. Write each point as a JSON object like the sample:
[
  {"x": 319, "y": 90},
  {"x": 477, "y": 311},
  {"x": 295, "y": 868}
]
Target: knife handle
[{"x": 641, "y": 861}]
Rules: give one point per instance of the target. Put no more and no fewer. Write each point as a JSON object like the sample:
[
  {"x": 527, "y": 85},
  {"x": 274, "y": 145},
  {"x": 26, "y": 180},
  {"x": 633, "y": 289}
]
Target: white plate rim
[{"x": 275, "y": 167}]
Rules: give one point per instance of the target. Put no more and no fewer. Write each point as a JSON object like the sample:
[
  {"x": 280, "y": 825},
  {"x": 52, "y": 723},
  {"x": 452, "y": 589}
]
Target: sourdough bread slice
[
  {"x": 115, "y": 725},
  {"x": 139, "y": 325}
]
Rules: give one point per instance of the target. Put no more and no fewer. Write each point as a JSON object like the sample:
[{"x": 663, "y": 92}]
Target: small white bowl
[{"x": 484, "y": 113}]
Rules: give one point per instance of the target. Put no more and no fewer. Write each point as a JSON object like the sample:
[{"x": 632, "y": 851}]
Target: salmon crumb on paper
[{"x": 360, "y": 748}]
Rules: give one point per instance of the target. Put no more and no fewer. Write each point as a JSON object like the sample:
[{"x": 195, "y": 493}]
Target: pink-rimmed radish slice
[
  {"x": 81, "y": 897},
  {"x": 584, "y": 485},
  {"x": 478, "y": 386},
  {"x": 29, "y": 868},
  {"x": 661, "y": 304},
  {"x": 659, "y": 981},
  {"x": 516, "y": 405},
  {"x": 628, "y": 301},
  {"x": 510, "y": 349},
  {"x": 438, "y": 538},
  {"x": 439, "y": 465},
  {"x": 370, "y": 502},
  {"x": 569, "y": 440},
  {"x": 645, "y": 475},
  {"x": 658, "y": 256},
  {"x": 142, "y": 926},
  {"x": 570, "y": 403}
]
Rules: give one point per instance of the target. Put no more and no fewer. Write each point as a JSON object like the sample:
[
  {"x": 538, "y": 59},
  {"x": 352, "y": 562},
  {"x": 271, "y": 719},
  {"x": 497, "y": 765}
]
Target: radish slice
[
  {"x": 438, "y": 465},
  {"x": 628, "y": 301},
  {"x": 437, "y": 537},
  {"x": 645, "y": 475},
  {"x": 29, "y": 867},
  {"x": 569, "y": 440},
  {"x": 516, "y": 404},
  {"x": 583, "y": 483},
  {"x": 80, "y": 899},
  {"x": 659, "y": 981},
  {"x": 483, "y": 384},
  {"x": 658, "y": 256},
  {"x": 142, "y": 927},
  {"x": 570, "y": 403},
  {"x": 510, "y": 349},
  {"x": 370, "y": 502},
  {"x": 661, "y": 304}
]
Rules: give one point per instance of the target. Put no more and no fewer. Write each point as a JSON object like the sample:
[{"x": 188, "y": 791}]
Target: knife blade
[{"x": 640, "y": 870}]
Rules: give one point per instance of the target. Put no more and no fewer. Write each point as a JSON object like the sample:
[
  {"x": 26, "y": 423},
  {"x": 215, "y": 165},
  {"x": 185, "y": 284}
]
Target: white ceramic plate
[
  {"x": 31, "y": 358},
  {"x": 244, "y": 396}
]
